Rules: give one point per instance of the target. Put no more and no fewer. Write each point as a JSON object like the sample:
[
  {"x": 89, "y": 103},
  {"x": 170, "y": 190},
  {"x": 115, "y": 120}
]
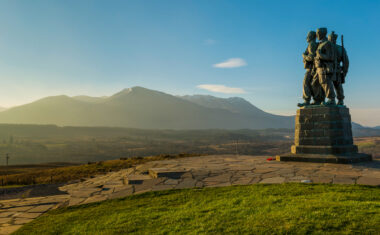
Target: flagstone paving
[{"x": 204, "y": 171}]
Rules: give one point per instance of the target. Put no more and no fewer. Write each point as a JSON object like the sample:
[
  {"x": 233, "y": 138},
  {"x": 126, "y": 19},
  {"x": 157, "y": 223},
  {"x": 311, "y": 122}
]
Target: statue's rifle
[{"x": 343, "y": 60}]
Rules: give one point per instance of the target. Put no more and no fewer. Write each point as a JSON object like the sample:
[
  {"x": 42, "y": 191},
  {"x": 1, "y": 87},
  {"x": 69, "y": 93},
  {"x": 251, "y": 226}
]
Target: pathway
[{"x": 204, "y": 171}]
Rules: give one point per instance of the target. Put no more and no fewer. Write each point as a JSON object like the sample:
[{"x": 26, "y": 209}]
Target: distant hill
[
  {"x": 139, "y": 107},
  {"x": 233, "y": 104},
  {"x": 90, "y": 98},
  {"x": 363, "y": 131},
  {"x": 356, "y": 125},
  {"x": 240, "y": 106}
]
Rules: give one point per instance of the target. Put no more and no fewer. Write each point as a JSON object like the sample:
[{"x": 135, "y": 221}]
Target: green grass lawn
[{"x": 253, "y": 209}]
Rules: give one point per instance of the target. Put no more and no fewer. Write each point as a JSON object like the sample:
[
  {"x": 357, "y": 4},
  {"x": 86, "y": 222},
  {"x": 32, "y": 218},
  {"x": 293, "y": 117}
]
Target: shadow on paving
[
  {"x": 40, "y": 190},
  {"x": 375, "y": 164}
]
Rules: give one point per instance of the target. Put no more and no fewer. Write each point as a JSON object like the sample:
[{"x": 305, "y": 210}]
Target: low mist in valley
[{"x": 28, "y": 144}]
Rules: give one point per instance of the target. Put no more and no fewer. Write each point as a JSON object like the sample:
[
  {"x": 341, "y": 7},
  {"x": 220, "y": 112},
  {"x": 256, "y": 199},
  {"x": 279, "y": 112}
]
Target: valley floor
[{"x": 212, "y": 171}]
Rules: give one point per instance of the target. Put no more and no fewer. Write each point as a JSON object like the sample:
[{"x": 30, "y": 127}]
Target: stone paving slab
[
  {"x": 203, "y": 171},
  {"x": 136, "y": 179},
  {"x": 168, "y": 172},
  {"x": 16, "y": 212}
]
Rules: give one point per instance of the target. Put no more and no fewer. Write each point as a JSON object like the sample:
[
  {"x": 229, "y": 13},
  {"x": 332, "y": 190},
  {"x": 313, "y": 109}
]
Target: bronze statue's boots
[
  {"x": 307, "y": 102},
  {"x": 316, "y": 102},
  {"x": 340, "y": 102},
  {"x": 330, "y": 102}
]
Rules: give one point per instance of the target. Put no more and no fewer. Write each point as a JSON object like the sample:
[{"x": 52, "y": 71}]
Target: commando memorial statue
[
  {"x": 342, "y": 64},
  {"x": 310, "y": 89},
  {"x": 323, "y": 131}
]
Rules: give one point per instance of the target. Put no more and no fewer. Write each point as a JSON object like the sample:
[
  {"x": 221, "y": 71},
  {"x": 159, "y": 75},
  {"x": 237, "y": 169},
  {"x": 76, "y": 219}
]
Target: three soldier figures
[{"x": 326, "y": 65}]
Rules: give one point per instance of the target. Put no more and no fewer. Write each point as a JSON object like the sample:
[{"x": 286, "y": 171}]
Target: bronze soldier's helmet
[
  {"x": 311, "y": 34},
  {"x": 321, "y": 32},
  {"x": 333, "y": 37}
]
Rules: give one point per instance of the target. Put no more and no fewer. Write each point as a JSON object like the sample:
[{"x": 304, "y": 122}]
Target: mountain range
[{"x": 139, "y": 107}]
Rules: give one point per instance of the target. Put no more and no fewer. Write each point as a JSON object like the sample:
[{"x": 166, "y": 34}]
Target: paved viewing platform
[{"x": 203, "y": 171}]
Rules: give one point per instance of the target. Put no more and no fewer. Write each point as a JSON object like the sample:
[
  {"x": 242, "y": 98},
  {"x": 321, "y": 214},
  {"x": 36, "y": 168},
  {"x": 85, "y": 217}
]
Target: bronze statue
[
  {"x": 342, "y": 64},
  {"x": 311, "y": 89},
  {"x": 325, "y": 62},
  {"x": 326, "y": 65}
]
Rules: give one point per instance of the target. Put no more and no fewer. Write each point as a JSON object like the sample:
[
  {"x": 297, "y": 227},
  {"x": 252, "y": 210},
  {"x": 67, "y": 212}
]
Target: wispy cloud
[
  {"x": 231, "y": 63},
  {"x": 221, "y": 89},
  {"x": 209, "y": 41}
]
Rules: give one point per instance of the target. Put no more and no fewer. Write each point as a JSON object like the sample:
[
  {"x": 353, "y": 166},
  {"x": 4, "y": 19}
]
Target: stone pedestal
[{"x": 324, "y": 134}]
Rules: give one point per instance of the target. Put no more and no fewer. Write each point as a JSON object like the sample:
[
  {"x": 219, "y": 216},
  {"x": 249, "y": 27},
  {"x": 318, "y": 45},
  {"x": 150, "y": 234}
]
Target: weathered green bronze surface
[
  {"x": 326, "y": 65},
  {"x": 310, "y": 89}
]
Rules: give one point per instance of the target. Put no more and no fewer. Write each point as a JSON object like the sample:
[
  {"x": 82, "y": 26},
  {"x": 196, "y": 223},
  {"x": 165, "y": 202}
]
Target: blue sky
[{"x": 100, "y": 47}]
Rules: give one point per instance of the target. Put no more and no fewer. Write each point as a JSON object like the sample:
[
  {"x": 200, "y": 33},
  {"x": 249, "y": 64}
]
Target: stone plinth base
[
  {"x": 325, "y": 158},
  {"x": 323, "y": 134},
  {"x": 329, "y": 149},
  {"x": 323, "y": 126}
]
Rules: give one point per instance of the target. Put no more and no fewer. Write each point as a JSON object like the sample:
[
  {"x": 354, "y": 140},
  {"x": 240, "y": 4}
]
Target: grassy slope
[
  {"x": 269, "y": 209},
  {"x": 370, "y": 145}
]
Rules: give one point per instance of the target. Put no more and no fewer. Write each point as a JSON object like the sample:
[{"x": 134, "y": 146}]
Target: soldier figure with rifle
[
  {"x": 325, "y": 62},
  {"x": 342, "y": 64}
]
